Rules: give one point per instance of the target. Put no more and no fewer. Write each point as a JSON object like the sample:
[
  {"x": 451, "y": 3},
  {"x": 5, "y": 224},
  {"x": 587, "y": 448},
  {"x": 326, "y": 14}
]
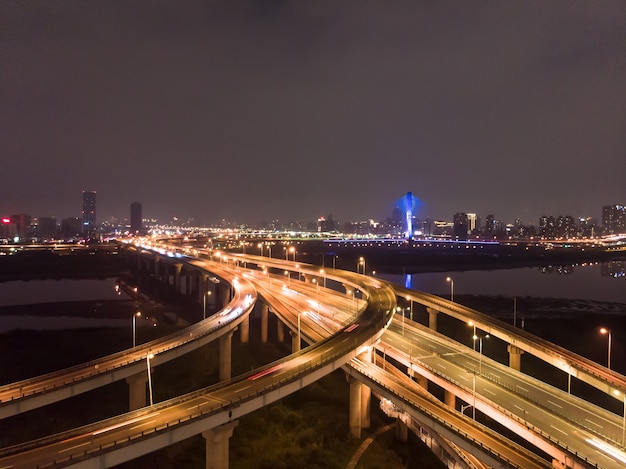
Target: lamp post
[
  {"x": 135, "y": 316},
  {"x": 449, "y": 279},
  {"x": 324, "y": 274},
  {"x": 604, "y": 330},
  {"x": 269, "y": 249},
  {"x": 293, "y": 250},
  {"x": 334, "y": 261},
  {"x": 410, "y": 308},
  {"x": 471, "y": 323},
  {"x": 148, "y": 357},
  {"x": 288, "y": 274},
  {"x": 204, "y": 303},
  {"x": 361, "y": 263},
  {"x": 480, "y": 355},
  {"x": 260, "y": 246}
]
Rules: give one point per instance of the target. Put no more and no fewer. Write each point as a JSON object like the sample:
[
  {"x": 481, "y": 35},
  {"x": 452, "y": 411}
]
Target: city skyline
[{"x": 249, "y": 111}]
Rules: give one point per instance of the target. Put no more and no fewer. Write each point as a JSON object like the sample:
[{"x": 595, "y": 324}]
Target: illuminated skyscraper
[
  {"x": 89, "y": 212},
  {"x": 135, "y": 217},
  {"x": 614, "y": 219}
]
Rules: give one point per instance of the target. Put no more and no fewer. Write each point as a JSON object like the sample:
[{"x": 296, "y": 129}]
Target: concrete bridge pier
[
  {"x": 450, "y": 399},
  {"x": 222, "y": 293},
  {"x": 402, "y": 431},
  {"x": 157, "y": 261},
  {"x": 178, "y": 268},
  {"x": 355, "y": 407},
  {"x": 225, "y": 355},
  {"x": 280, "y": 331},
  {"x": 264, "y": 321},
  {"x": 515, "y": 357},
  {"x": 432, "y": 318},
  {"x": 217, "y": 440},
  {"x": 244, "y": 330},
  {"x": 366, "y": 393},
  {"x": 295, "y": 341},
  {"x": 137, "y": 391}
]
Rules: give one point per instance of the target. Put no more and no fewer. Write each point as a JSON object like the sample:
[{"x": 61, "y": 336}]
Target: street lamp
[
  {"x": 471, "y": 323},
  {"x": 480, "y": 356},
  {"x": 288, "y": 274},
  {"x": 449, "y": 279},
  {"x": 293, "y": 250},
  {"x": 204, "y": 304},
  {"x": 148, "y": 357},
  {"x": 269, "y": 249},
  {"x": 324, "y": 274},
  {"x": 410, "y": 308},
  {"x": 260, "y": 246},
  {"x": 135, "y": 316},
  {"x": 361, "y": 263},
  {"x": 334, "y": 261},
  {"x": 604, "y": 330}
]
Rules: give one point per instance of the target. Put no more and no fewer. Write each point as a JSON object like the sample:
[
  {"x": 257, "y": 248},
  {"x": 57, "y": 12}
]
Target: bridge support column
[
  {"x": 137, "y": 391},
  {"x": 402, "y": 431},
  {"x": 244, "y": 330},
  {"x": 156, "y": 268},
  {"x": 222, "y": 290},
  {"x": 515, "y": 357},
  {"x": 422, "y": 381},
  {"x": 355, "y": 408},
  {"x": 225, "y": 356},
  {"x": 177, "y": 270},
  {"x": 295, "y": 342},
  {"x": 366, "y": 393},
  {"x": 217, "y": 445},
  {"x": 450, "y": 399},
  {"x": 264, "y": 320},
  {"x": 280, "y": 331},
  {"x": 432, "y": 318}
]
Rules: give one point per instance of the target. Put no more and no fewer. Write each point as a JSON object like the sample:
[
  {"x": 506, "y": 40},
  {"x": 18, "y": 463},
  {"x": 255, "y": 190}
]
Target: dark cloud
[{"x": 253, "y": 110}]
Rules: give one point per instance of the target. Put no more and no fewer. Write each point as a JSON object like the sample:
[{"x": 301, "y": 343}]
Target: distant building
[
  {"x": 71, "y": 228},
  {"x": 461, "y": 226},
  {"x": 613, "y": 219},
  {"x": 46, "y": 228},
  {"x": 22, "y": 225},
  {"x": 490, "y": 227},
  {"x": 89, "y": 212},
  {"x": 136, "y": 225}
]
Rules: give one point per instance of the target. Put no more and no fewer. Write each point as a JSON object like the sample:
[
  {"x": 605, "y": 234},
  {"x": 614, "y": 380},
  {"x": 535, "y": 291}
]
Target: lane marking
[
  {"x": 594, "y": 423},
  {"x": 73, "y": 447},
  {"x": 122, "y": 424},
  {"x": 558, "y": 429},
  {"x": 554, "y": 403}
]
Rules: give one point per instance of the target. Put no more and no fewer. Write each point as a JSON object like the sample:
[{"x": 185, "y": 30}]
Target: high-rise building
[
  {"x": 460, "y": 226},
  {"x": 614, "y": 219},
  {"x": 89, "y": 212},
  {"x": 135, "y": 218}
]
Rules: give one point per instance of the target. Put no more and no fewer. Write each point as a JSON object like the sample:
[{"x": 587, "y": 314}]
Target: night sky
[{"x": 289, "y": 110}]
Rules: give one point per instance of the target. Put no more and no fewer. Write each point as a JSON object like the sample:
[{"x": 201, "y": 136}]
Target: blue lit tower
[
  {"x": 408, "y": 215},
  {"x": 89, "y": 212},
  {"x": 408, "y": 206}
]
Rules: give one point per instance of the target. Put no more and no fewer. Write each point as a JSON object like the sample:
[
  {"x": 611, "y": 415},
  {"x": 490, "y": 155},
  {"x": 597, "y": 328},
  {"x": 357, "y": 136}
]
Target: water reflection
[
  {"x": 591, "y": 281},
  {"x": 615, "y": 269}
]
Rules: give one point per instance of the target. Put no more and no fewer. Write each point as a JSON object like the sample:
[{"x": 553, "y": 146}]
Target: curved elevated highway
[
  {"x": 600, "y": 377},
  {"x": 42, "y": 390},
  {"x": 110, "y": 442}
]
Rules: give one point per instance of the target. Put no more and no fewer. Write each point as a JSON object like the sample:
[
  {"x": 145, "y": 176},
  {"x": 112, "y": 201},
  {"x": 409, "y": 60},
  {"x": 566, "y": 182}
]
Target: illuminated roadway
[
  {"x": 110, "y": 442},
  {"x": 219, "y": 397},
  {"x": 530, "y": 407}
]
